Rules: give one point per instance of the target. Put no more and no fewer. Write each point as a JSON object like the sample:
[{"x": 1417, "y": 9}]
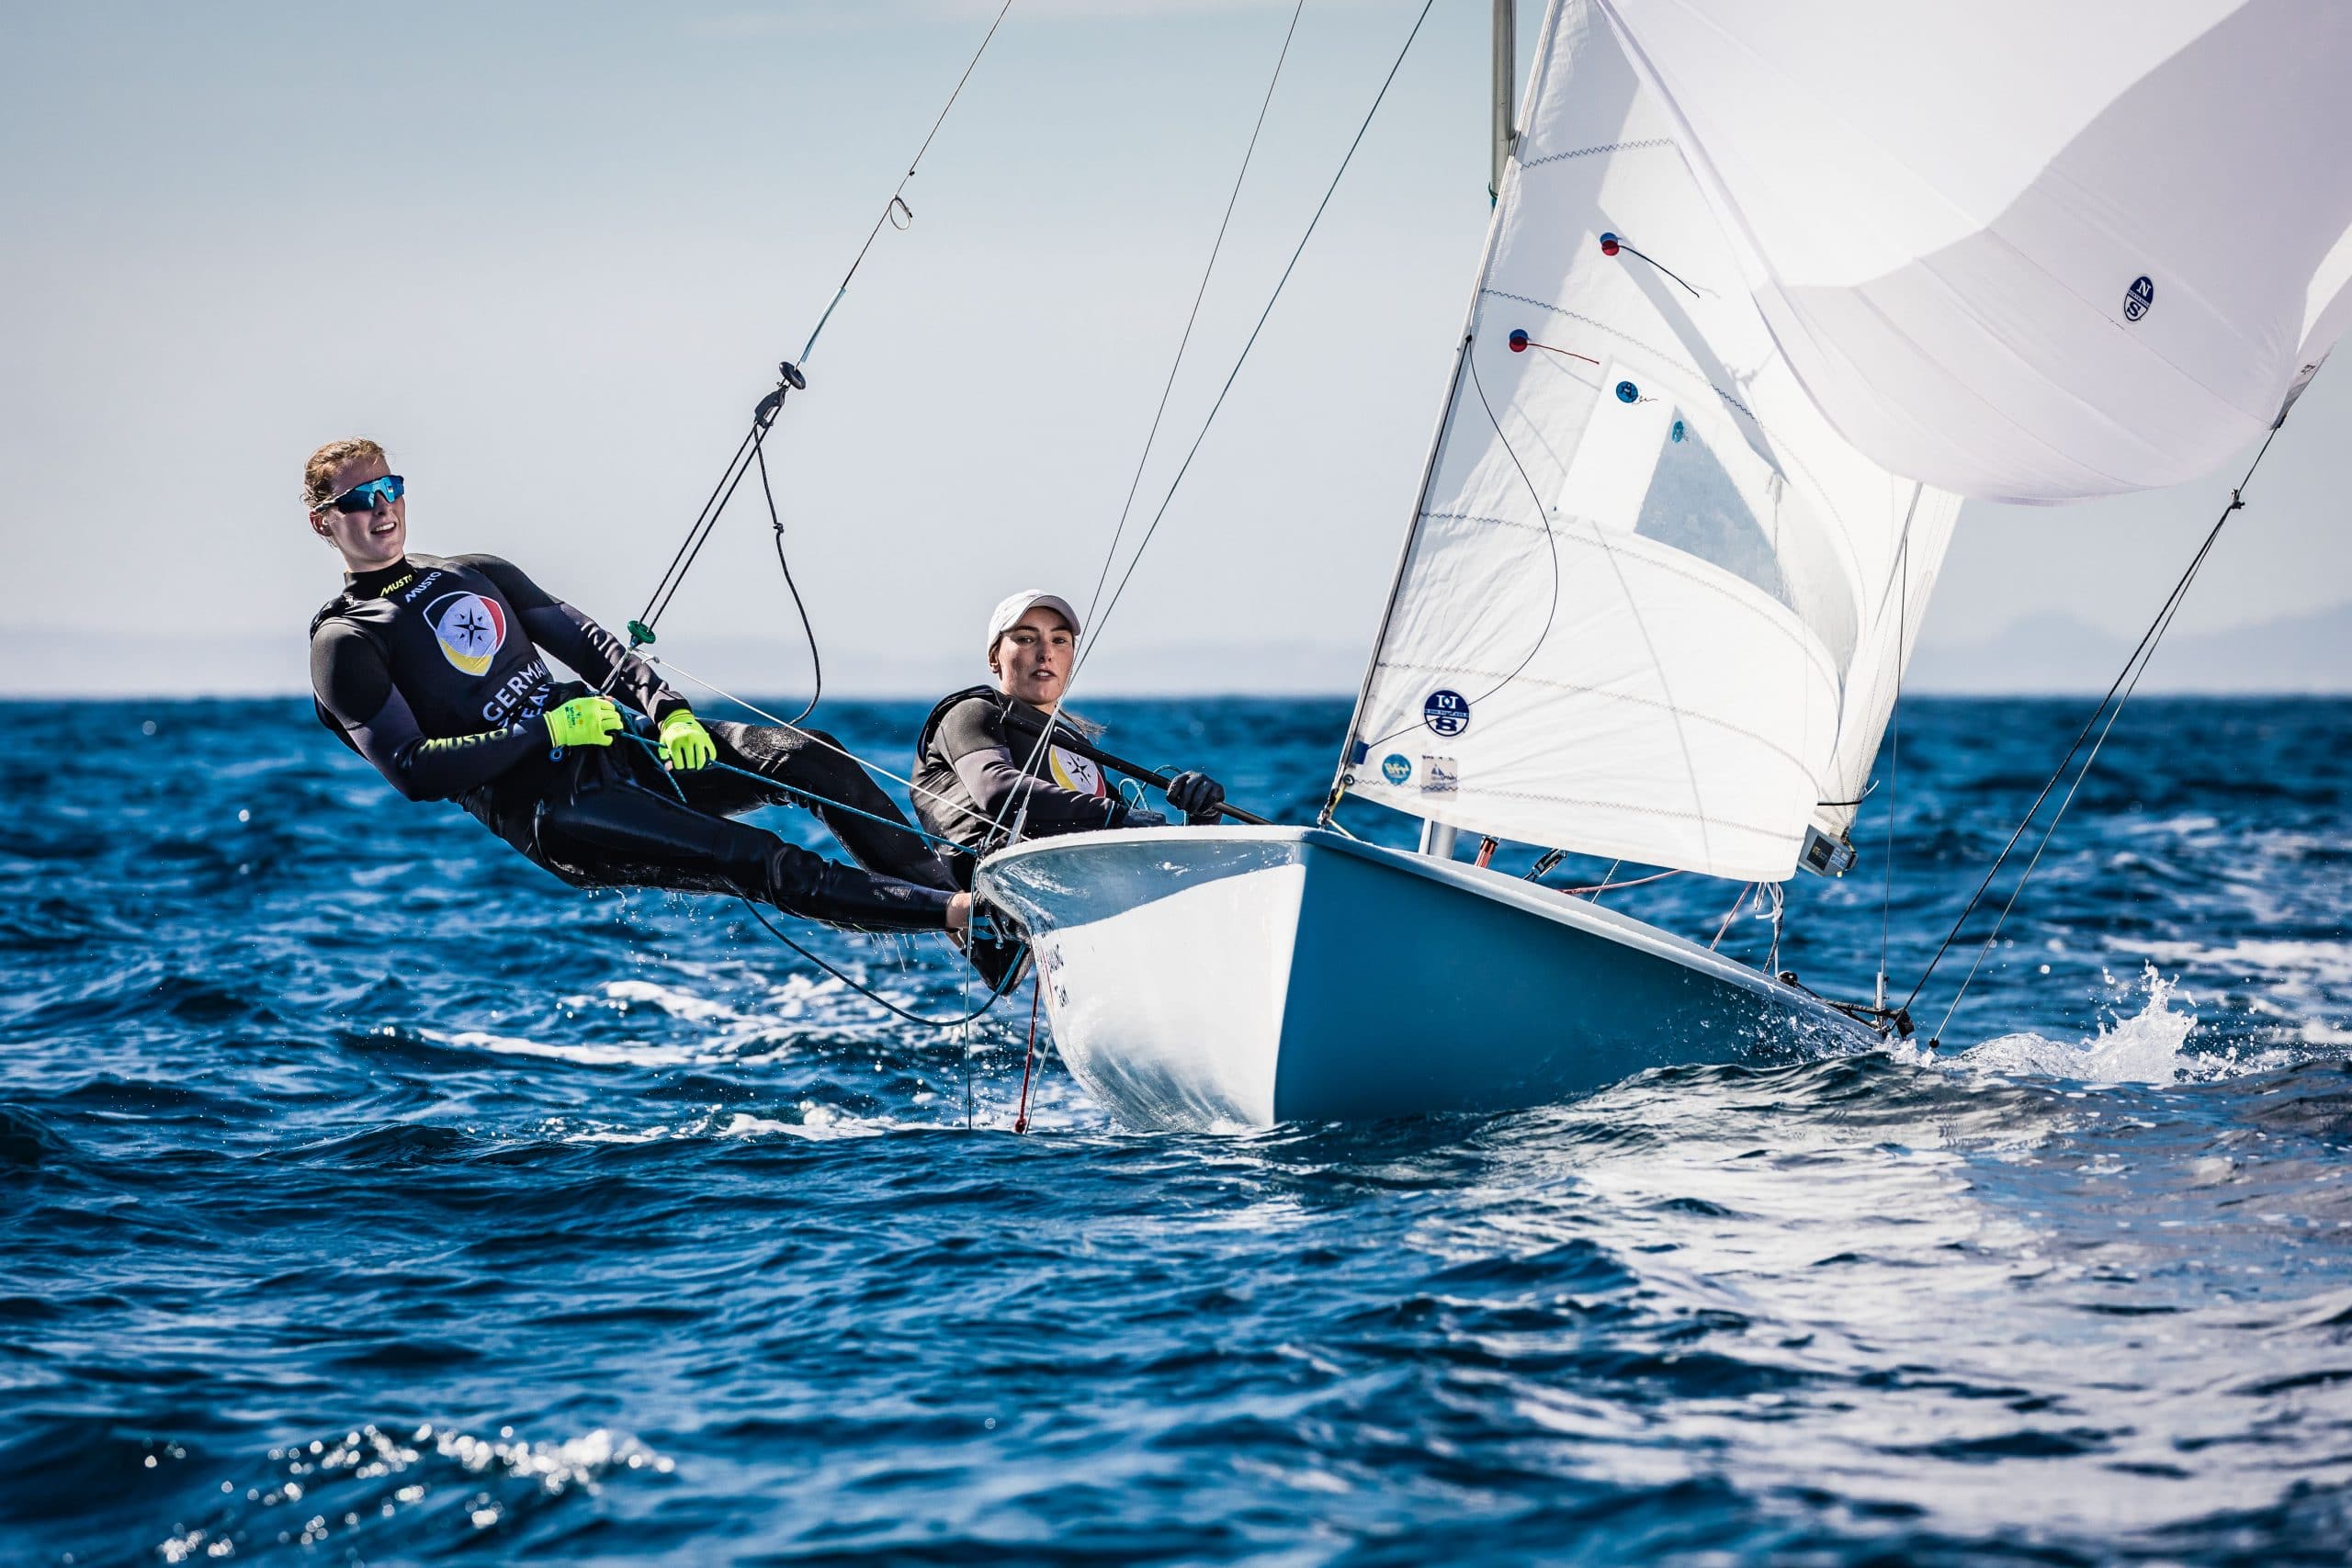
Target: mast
[
  {"x": 1506, "y": 131},
  {"x": 1437, "y": 837}
]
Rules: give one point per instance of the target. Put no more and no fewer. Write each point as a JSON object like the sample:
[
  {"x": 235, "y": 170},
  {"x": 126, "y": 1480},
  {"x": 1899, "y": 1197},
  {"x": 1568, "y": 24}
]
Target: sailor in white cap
[{"x": 972, "y": 782}]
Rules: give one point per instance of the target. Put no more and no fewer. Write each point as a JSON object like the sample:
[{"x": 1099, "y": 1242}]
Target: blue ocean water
[{"x": 369, "y": 1197}]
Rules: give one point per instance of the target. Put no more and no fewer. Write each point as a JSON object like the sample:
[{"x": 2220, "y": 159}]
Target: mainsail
[{"x": 1653, "y": 606}]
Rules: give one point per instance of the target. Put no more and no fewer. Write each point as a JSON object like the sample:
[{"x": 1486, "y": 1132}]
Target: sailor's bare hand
[{"x": 959, "y": 913}]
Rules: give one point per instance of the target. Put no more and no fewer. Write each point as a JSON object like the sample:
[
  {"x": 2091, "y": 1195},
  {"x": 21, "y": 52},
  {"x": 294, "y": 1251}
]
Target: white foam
[
  {"x": 2149, "y": 1047},
  {"x": 625, "y": 1054},
  {"x": 676, "y": 1003},
  {"x": 817, "y": 1122},
  {"x": 2326, "y": 963},
  {"x": 728, "y": 1035}
]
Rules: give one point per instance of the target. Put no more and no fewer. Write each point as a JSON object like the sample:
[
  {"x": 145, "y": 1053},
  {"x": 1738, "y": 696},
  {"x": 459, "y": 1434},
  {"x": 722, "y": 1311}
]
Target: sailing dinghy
[{"x": 1768, "y": 287}]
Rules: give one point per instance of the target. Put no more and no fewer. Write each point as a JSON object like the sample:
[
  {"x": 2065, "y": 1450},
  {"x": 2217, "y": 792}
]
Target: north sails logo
[
  {"x": 2137, "y": 298},
  {"x": 469, "y": 629}
]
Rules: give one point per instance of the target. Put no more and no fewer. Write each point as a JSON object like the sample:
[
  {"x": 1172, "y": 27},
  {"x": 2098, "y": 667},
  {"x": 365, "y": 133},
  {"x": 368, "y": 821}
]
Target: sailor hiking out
[{"x": 436, "y": 671}]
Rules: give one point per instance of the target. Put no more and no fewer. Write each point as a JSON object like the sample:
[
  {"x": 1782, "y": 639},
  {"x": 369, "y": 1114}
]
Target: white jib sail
[
  {"x": 2026, "y": 251},
  {"x": 1653, "y": 605}
]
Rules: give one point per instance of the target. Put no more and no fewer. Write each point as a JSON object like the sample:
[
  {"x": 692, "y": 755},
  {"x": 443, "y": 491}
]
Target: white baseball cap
[{"x": 1008, "y": 613}]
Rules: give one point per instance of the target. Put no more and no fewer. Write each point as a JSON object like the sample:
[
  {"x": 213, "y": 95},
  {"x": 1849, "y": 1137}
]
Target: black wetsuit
[
  {"x": 434, "y": 671},
  {"x": 969, "y": 778}
]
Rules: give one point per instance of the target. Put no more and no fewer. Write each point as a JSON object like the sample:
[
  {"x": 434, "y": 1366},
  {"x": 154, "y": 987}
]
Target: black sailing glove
[{"x": 1197, "y": 795}]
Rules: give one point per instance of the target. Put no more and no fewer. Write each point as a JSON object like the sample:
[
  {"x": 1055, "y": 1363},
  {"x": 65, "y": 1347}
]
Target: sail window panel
[
  {"x": 1694, "y": 505},
  {"x": 1610, "y": 478},
  {"x": 1647, "y": 464}
]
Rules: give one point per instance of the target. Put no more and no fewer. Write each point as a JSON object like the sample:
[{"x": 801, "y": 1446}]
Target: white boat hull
[{"x": 1218, "y": 977}]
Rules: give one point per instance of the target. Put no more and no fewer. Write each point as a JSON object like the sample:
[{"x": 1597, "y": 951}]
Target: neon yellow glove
[
  {"x": 686, "y": 744},
  {"x": 584, "y": 721}
]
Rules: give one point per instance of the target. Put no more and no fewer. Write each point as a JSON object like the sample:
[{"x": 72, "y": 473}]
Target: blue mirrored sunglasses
[{"x": 363, "y": 498}]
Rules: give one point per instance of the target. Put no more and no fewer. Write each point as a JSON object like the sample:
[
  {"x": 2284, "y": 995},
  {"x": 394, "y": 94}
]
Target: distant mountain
[{"x": 2311, "y": 653}]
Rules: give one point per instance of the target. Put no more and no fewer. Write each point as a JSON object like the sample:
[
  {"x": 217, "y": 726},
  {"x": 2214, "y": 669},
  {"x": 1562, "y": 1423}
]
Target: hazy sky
[{"x": 548, "y": 254}]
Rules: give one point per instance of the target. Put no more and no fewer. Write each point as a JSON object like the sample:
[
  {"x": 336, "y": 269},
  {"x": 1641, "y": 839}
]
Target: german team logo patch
[{"x": 469, "y": 629}]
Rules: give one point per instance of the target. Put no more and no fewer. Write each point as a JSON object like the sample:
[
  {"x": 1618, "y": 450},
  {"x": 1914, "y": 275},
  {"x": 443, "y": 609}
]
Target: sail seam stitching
[
  {"x": 1633, "y": 808},
  {"x": 1605, "y": 147},
  {"x": 1827, "y": 667}
]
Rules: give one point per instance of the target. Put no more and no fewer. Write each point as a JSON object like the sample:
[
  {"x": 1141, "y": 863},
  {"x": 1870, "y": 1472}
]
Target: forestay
[
  {"x": 1653, "y": 606},
  {"x": 2026, "y": 251}
]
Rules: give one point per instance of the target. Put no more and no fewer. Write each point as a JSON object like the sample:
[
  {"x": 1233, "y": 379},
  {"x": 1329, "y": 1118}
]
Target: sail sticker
[
  {"x": 1628, "y": 393},
  {"x": 1675, "y": 433},
  {"x": 1397, "y": 768},
  {"x": 1439, "y": 775},
  {"x": 2137, "y": 298},
  {"x": 1445, "y": 713}
]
